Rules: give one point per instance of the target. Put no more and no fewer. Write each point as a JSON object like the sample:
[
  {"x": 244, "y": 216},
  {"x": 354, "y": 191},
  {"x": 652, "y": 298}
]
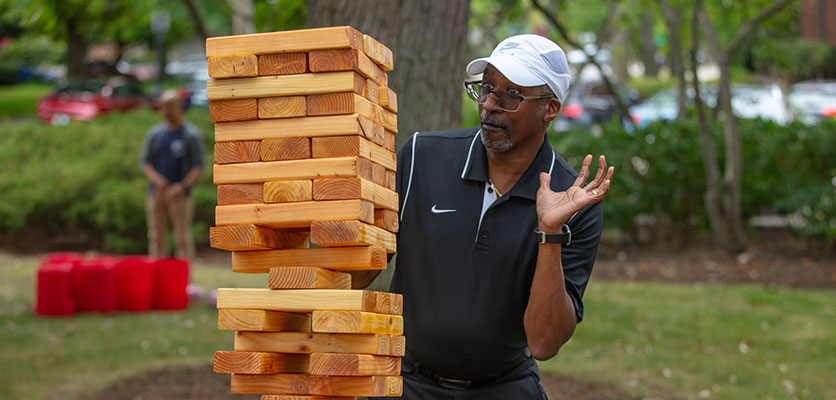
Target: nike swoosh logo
[{"x": 441, "y": 211}]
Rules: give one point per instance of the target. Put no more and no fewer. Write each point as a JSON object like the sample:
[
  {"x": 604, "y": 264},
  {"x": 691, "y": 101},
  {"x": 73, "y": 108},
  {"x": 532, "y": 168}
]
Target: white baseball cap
[{"x": 528, "y": 60}]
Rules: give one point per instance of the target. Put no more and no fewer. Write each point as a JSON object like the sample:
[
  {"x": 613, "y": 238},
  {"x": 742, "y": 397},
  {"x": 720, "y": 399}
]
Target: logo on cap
[{"x": 509, "y": 46}]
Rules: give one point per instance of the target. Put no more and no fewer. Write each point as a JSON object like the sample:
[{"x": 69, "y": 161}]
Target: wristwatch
[{"x": 561, "y": 238}]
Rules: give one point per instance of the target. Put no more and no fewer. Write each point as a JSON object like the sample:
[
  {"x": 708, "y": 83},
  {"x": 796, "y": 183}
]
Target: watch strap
[{"x": 564, "y": 238}]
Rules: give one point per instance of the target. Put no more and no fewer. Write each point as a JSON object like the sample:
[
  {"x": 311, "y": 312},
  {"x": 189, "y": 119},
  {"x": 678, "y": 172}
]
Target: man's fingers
[
  {"x": 545, "y": 181},
  {"x": 584, "y": 172}
]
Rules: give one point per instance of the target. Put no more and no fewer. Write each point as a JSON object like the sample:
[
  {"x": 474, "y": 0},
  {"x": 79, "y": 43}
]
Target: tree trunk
[
  {"x": 76, "y": 48},
  {"x": 648, "y": 45},
  {"x": 429, "y": 42},
  {"x": 620, "y": 52},
  {"x": 243, "y": 12},
  {"x": 732, "y": 175},
  {"x": 197, "y": 19},
  {"x": 674, "y": 18}
]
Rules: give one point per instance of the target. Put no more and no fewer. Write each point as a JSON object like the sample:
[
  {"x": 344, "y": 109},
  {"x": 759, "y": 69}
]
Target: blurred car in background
[
  {"x": 813, "y": 101},
  {"x": 591, "y": 102},
  {"x": 85, "y": 99}
]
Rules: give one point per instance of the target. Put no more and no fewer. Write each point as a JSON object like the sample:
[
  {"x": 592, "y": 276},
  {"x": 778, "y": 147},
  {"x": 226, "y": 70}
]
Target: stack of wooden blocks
[{"x": 304, "y": 153}]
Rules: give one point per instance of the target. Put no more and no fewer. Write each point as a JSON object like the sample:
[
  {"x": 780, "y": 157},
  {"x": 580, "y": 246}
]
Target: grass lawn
[{"x": 19, "y": 100}]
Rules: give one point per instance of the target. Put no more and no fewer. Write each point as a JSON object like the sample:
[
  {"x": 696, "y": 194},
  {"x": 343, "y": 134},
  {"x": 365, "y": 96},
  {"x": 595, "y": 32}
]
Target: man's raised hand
[{"x": 555, "y": 208}]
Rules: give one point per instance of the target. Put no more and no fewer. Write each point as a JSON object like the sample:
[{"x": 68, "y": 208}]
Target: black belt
[{"x": 458, "y": 384}]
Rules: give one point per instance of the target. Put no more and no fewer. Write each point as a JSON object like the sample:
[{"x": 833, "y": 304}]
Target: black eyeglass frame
[{"x": 474, "y": 95}]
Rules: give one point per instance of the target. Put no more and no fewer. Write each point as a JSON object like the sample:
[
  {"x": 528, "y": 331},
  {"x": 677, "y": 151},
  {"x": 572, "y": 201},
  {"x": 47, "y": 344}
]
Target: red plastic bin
[
  {"x": 54, "y": 290},
  {"x": 94, "y": 285},
  {"x": 171, "y": 276},
  {"x": 134, "y": 283}
]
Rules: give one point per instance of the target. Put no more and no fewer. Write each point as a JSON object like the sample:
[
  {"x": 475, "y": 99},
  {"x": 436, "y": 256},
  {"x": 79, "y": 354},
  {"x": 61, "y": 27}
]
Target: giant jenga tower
[{"x": 304, "y": 153}]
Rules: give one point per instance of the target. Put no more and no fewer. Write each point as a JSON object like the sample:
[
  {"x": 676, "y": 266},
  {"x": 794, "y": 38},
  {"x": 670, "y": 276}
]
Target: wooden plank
[
  {"x": 233, "y": 110},
  {"x": 317, "y": 385},
  {"x": 350, "y": 103},
  {"x": 283, "y": 63},
  {"x": 334, "y": 125},
  {"x": 372, "y": 91},
  {"x": 286, "y": 149},
  {"x": 346, "y": 167},
  {"x": 356, "y": 322},
  {"x": 231, "y": 319},
  {"x": 234, "y": 66},
  {"x": 379, "y": 53},
  {"x": 379, "y": 175},
  {"x": 388, "y": 99},
  {"x": 337, "y": 364},
  {"x": 344, "y": 233},
  {"x": 339, "y": 259},
  {"x": 338, "y": 37},
  {"x": 388, "y": 141},
  {"x": 284, "y": 85},
  {"x": 307, "y": 278},
  {"x": 371, "y": 131},
  {"x": 346, "y": 60},
  {"x": 350, "y": 146},
  {"x": 240, "y": 193},
  {"x": 281, "y": 107},
  {"x": 307, "y": 300},
  {"x": 391, "y": 180},
  {"x": 238, "y": 152},
  {"x": 288, "y": 191},
  {"x": 355, "y": 188},
  {"x": 294, "y": 215},
  {"x": 305, "y": 343},
  {"x": 303, "y": 397},
  {"x": 387, "y": 219},
  {"x": 251, "y": 362},
  {"x": 252, "y": 237}
]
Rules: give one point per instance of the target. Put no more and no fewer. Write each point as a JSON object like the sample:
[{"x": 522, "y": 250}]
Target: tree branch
[
  {"x": 750, "y": 25},
  {"x": 199, "y": 26}
]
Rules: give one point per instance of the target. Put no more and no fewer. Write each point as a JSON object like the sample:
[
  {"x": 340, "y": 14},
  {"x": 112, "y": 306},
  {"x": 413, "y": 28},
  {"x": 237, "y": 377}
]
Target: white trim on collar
[{"x": 470, "y": 153}]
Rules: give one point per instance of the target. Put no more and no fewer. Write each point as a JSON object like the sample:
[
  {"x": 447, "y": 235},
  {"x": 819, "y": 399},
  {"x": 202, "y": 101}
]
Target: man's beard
[{"x": 501, "y": 144}]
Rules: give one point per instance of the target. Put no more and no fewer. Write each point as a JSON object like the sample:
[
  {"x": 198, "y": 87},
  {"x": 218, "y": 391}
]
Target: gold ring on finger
[{"x": 594, "y": 192}]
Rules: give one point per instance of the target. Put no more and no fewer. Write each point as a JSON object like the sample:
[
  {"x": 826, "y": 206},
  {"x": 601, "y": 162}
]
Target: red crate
[
  {"x": 134, "y": 283},
  {"x": 171, "y": 276}
]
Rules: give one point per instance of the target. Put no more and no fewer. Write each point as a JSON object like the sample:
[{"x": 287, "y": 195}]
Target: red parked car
[{"x": 85, "y": 99}]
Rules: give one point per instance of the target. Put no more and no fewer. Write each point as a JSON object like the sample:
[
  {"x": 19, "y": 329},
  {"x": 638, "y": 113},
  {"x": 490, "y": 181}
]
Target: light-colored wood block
[
  {"x": 294, "y": 215},
  {"x": 355, "y": 188},
  {"x": 282, "y": 63},
  {"x": 387, "y": 219},
  {"x": 251, "y": 362},
  {"x": 281, "y": 107},
  {"x": 231, "y": 319},
  {"x": 344, "y": 233},
  {"x": 350, "y": 146},
  {"x": 346, "y": 60},
  {"x": 338, "y": 259},
  {"x": 333, "y": 125},
  {"x": 391, "y": 178},
  {"x": 379, "y": 175},
  {"x": 252, "y": 237},
  {"x": 238, "y": 152},
  {"x": 288, "y": 191},
  {"x": 240, "y": 193},
  {"x": 286, "y": 149},
  {"x": 306, "y": 343},
  {"x": 350, "y": 103},
  {"x": 372, "y": 91},
  {"x": 303, "y": 397},
  {"x": 356, "y": 322},
  {"x": 307, "y": 300},
  {"x": 379, "y": 53},
  {"x": 302, "y": 40},
  {"x": 345, "y": 167},
  {"x": 389, "y": 141},
  {"x": 307, "y": 278},
  {"x": 232, "y": 66},
  {"x": 337, "y": 364},
  {"x": 285, "y": 85},
  {"x": 317, "y": 385},
  {"x": 371, "y": 131},
  {"x": 233, "y": 110},
  {"x": 388, "y": 99}
]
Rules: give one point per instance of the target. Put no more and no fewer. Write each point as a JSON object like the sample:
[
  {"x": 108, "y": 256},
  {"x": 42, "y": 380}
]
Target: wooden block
[
  {"x": 379, "y": 53},
  {"x": 372, "y": 91},
  {"x": 308, "y": 278},
  {"x": 386, "y": 219},
  {"x": 251, "y": 362},
  {"x": 355, "y": 188},
  {"x": 335, "y": 125},
  {"x": 305, "y": 343},
  {"x": 240, "y": 193},
  {"x": 282, "y": 63},
  {"x": 389, "y": 141},
  {"x": 338, "y": 37},
  {"x": 281, "y": 107},
  {"x": 286, "y": 149},
  {"x": 288, "y": 191},
  {"x": 304, "y": 397},
  {"x": 346, "y": 167},
  {"x": 356, "y": 322},
  {"x": 238, "y": 152},
  {"x": 285, "y": 85},
  {"x": 232, "y": 66},
  {"x": 388, "y": 99},
  {"x": 307, "y": 300},
  {"x": 262, "y": 320},
  {"x": 336, "y": 364},
  {"x": 391, "y": 179},
  {"x": 339, "y": 259},
  {"x": 317, "y": 385},
  {"x": 350, "y": 146},
  {"x": 251, "y": 237},
  {"x": 294, "y": 215},
  {"x": 350, "y": 103},
  {"x": 346, "y": 60},
  {"x": 379, "y": 175},
  {"x": 371, "y": 131},
  {"x": 344, "y": 233},
  {"x": 233, "y": 110}
]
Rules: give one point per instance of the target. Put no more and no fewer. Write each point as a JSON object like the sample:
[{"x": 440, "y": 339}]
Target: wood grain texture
[
  {"x": 346, "y": 167},
  {"x": 301, "y": 40},
  {"x": 386, "y": 219},
  {"x": 307, "y": 278},
  {"x": 350, "y": 146},
  {"x": 308, "y": 300},
  {"x": 262, "y": 320},
  {"x": 284, "y": 85},
  {"x": 356, "y": 322},
  {"x": 317, "y": 385},
  {"x": 344, "y": 233},
  {"x": 286, "y": 149},
  {"x": 338, "y": 259},
  {"x": 355, "y": 188},
  {"x": 238, "y": 152},
  {"x": 379, "y": 53},
  {"x": 251, "y": 362},
  {"x": 235, "y": 66},
  {"x": 306, "y": 343},
  {"x": 335, "y": 125},
  {"x": 388, "y": 99},
  {"x": 233, "y": 110},
  {"x": 371, "y": 131},
  {"x": 372, "y": 91},
  {"x": 294, "y": 215},
  {"x": 379, "y": 175},
  {"x": 388, "y": 141},
  {"x": 281, "y": 107},
  {"x": 240, "y": 193},
  {"x": 288, "y": 191},
  {"x": 336, "y": 364},
  {"x": 350, "y": 103},
  {"x": 282, "y": 63},
  {"x": 391, "y": 180},
  {"x": 346, "y": 60},
  {"x": 252, "y": 237}
]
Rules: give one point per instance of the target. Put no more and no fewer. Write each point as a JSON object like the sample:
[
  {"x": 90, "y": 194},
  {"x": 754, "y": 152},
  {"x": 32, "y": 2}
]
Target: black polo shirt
[{"x": 466, "y": 282}]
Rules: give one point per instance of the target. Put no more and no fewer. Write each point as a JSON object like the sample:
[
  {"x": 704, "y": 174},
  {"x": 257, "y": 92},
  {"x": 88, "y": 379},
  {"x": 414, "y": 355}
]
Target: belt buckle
[{"x": 455, "y": 384}]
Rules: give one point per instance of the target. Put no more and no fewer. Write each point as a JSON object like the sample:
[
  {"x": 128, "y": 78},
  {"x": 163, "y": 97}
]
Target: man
[{"x": 172, "y": 159}]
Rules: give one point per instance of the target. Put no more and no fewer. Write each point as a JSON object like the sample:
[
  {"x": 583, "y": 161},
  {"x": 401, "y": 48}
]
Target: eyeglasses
[{"x": 509, "y": 102}]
